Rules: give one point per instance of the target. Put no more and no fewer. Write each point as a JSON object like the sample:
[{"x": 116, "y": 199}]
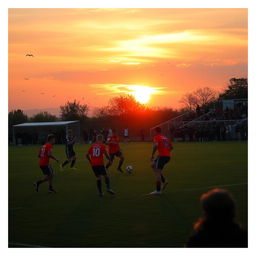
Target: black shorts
[
  {"x": 70, "y": 153},
  {"x": 99, "y": 170},
  {"x": 118, "y": 154},
  {"x": 161, "y": 161},
  {"x": 46, "y": 169}
]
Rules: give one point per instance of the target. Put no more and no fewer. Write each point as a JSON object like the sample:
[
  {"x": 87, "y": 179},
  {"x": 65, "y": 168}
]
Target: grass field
[{"x": 77, "y": 217}]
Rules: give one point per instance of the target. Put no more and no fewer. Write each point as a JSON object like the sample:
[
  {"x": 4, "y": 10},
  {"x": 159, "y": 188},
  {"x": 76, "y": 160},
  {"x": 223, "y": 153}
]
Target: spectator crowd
[{"x": 209, "y": 125}]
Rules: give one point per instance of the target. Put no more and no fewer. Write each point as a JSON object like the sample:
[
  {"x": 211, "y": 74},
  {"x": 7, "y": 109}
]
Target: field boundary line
[
  {"x": 213, "y": 186},
  {"x": 27, "y": 245}
]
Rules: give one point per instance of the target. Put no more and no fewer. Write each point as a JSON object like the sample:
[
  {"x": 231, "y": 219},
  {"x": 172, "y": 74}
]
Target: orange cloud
[{"x": 174, "y": 50}]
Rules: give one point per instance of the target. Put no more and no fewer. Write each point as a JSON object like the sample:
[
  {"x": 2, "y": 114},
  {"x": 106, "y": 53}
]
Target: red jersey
[
  {"x": 97, "y": 152},
  {"x": 164, "y": 145},
  {"x": 44, "y": 154},
  {"x": 113, "y": 148}
]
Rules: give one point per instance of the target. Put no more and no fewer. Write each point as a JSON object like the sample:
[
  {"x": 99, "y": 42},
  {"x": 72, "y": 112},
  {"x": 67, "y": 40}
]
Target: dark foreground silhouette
[{"x": 217, "y": 227}]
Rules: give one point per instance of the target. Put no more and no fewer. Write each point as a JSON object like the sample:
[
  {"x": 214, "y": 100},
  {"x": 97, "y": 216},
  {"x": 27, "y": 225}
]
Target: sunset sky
[{"x": 92, "y": 55}]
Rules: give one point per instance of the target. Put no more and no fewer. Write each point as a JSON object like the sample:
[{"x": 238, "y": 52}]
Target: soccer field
[{"x": 77, "y": 217}]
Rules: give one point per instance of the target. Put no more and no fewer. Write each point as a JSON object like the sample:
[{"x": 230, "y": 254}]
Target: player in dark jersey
[
  {"x": 95, "y": 156},
  {"x": 70, "y": 153},
  {"x": 114, "y": 150},
  {"x": 44, "y": 155},
  {"x": 164, "y": 147}
]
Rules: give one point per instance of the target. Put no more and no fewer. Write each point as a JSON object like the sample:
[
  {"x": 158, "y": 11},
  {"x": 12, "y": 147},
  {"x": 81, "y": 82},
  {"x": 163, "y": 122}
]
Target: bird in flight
[{"x": 29, "y": 55}]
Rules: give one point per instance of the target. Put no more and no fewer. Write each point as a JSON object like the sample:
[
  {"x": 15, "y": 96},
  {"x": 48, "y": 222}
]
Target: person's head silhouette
[{"x": 218, "y": 205}]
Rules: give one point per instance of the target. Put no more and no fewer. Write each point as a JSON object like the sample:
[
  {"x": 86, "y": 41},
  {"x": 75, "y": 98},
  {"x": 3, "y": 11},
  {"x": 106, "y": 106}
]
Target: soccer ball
[{"x": 129, "y": 169}]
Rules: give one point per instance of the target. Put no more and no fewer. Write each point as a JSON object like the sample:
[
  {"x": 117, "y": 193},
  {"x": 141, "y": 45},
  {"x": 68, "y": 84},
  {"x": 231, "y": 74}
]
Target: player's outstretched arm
[
  {"x": 73, "y": 141},
  {"x": 88, "y": 158},
  {"x": 108, "y": 157},
  {"x": 153, "y": 151},
  {"x": 52, "y": 157}
]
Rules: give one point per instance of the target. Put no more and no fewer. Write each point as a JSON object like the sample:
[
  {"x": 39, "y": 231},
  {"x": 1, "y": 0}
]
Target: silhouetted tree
[
  {"x": 124, "y": 111},
  {"x": 189, "y": 101},
  {"x": 17, "y": 117},
  {"x": 199, "y": 97},
  {"x": 43, "y": 117},
  {"x": 124, "y": 104},
  {"x": 205, "y": 96},
  {"x": 237, "y": 89},
  {"x": 74, "y": 111},
  {"x": 102, "y": 112}
]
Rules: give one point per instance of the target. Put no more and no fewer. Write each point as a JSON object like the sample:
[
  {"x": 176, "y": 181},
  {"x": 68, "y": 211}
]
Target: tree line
[{"x": 124, "y": 111}]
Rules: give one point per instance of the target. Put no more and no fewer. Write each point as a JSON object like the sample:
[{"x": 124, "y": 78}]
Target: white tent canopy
[
  {"x": 62, "y": 123},
  {"x": 41, "y": 126}
]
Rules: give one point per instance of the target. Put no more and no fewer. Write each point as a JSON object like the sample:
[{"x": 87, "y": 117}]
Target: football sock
[
  {"x": 41, "y": 181},
  {"x": 162, "y": 178},
  {"x": 158, "y": 185},
  {"x": 99, "y": 186},
  {"x": 66, "y": 162},
  {"x": 107, "y": 181},
  {"x": 50, "y": 187},
  {"x": 38, "y": 182},
  {"x": 120, "y": 163},
  {"x": 73, "y": 163},
  {"x": 107, "y": 166}
]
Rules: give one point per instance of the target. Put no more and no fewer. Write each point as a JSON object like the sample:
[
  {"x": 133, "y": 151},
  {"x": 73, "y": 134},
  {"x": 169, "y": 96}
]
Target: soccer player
[
  {"x": 95, "y": 156},
  {"x": 126, "y": 134},
  {"x": 114, "y": 150},
  {"x": 164, "y": 146},
  {"x": 44, "y": 155},
  {"x": 70, "y": 153}
]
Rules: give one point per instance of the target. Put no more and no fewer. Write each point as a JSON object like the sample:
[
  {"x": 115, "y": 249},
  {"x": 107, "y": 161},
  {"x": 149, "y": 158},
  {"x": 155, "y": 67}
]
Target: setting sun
[{"x": 141, "y": 93}]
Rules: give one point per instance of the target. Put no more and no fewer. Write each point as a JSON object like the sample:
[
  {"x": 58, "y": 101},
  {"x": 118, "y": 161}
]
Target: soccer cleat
[
  {"x": 52, "y": 191},
  {"x": 120, "y": 170},
  {"x": 155, "y": 193},
  {"x": 164, "y": 185},
  {"x": 36, "y": 186},
  {"x": 110, "y": 191}
]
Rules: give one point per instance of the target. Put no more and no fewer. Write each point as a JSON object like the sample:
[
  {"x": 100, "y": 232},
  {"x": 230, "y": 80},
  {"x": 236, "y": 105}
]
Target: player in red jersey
[
  {"x": 164, "y": 147},
  {"x": 95, "y": 156},
  {"x": 44, "y": 155},
  {"x": 114, "y": 150}
]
